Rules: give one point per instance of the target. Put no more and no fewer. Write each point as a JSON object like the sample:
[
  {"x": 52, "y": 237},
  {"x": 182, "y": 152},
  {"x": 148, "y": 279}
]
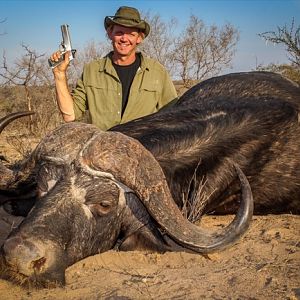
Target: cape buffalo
[{"x": 133, "y": 186}]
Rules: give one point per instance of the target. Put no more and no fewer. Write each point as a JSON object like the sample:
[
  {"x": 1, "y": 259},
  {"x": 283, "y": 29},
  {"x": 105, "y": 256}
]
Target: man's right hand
[{"x": 62, "y": 67}]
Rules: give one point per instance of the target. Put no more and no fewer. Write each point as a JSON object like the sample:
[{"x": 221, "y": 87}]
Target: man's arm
[{"x": 63, "y": 96}]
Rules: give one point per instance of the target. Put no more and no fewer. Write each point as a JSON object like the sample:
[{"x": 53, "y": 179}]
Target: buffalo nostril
[
  {"x": 23, "y": 255},
  {"x": 38, "y": 264}
]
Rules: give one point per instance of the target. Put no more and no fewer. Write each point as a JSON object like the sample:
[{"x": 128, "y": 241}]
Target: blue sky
[{"x": 37, "y": 23}]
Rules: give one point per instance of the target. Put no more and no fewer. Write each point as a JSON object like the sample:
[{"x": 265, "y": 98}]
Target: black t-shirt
[{"x": 126, "y": 75}]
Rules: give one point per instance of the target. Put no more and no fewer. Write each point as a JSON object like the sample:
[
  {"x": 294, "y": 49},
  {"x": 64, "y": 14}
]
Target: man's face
[{"x": 124, "y": 39}]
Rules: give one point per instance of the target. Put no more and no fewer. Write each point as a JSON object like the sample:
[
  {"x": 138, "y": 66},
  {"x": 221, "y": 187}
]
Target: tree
[
  {"x": 289, "y": 37},
  {"x": 291, "y": 72},
  {"x": 196, "y": 53},
  {"x": 24, "y": 73},
  {"x": 32, "y": 73},
  {"x": 201, "y": 51},
  {"x": 160, "y": 42}
]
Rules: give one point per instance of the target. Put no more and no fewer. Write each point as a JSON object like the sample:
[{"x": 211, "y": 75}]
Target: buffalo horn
[
  {"x": 6, "y": 175},
  {"x": 130, "y": 163},
  {"x": 9, "y": 118}
]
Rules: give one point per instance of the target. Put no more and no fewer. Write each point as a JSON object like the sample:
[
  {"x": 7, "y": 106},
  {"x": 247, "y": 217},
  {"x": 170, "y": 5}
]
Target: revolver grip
[{"x": 54, "y": 64}]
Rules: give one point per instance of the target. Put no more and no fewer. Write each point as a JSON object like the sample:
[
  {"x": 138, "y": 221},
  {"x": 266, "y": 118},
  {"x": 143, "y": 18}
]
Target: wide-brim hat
[{"x": 127, "y": 17}]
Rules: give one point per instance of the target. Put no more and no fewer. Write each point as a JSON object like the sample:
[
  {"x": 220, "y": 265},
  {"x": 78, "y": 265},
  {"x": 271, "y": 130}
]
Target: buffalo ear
[
  {"x": 139, "y": 231},
  {"x": 143, "y": 239},
  {"x": 130, "y": 243}
]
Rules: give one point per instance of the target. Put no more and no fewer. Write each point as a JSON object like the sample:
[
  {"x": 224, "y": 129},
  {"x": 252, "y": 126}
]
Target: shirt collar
[{"x": 106, "y": 63}]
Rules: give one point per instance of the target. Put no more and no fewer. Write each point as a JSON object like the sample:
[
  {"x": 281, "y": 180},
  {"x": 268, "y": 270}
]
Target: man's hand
[{"x": 63, "y": 66}]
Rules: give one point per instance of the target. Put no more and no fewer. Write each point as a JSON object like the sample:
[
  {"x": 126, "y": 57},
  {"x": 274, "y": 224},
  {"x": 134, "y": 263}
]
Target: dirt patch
[{"x": 264, "y": 264}]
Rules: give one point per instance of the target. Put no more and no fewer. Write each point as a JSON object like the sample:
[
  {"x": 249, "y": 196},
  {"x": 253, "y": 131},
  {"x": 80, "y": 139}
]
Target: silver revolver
[{"x": 63, "y": 47}]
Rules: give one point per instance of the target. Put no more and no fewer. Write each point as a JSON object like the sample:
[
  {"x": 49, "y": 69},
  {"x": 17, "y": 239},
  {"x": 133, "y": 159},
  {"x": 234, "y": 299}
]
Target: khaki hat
[{"x": 127, "y": 17}]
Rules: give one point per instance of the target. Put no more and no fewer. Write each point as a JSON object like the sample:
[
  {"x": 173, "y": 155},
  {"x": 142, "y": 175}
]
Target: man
[{"x": 122, "y": 86}]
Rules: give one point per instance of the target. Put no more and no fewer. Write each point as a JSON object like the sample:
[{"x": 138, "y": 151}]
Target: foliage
[
  {"x": 196, "y": 53},
  {"x": 289, "y": 71},
  {"x": 289, "y": 37},
  {"x": 46, "y": 117},
  {"x": 160, "y": 42},
  {"x": 202, "y": 51},
  {"x": 33, "y": 90}
]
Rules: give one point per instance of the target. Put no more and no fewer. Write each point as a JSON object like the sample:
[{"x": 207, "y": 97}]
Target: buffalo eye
[
  {"x": 102, "y": 208},
  {"x": 102, "y": 199}
]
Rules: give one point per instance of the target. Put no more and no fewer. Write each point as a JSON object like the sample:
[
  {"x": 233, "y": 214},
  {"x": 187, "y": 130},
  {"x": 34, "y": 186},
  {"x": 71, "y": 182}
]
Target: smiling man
[{"x": 120, "y": 87}]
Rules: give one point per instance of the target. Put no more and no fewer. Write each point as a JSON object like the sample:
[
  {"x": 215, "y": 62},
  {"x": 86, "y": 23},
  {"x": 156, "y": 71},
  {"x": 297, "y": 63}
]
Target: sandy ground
[{"x": 264, "y": 264}]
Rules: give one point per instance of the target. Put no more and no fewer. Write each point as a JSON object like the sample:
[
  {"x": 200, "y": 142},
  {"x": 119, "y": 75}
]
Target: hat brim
[{"x": 143, "y": 25}]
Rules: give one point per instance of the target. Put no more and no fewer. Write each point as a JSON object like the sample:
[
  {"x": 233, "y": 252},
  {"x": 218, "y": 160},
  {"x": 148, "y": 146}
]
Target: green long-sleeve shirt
[{"x": 99, "y": 90}]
